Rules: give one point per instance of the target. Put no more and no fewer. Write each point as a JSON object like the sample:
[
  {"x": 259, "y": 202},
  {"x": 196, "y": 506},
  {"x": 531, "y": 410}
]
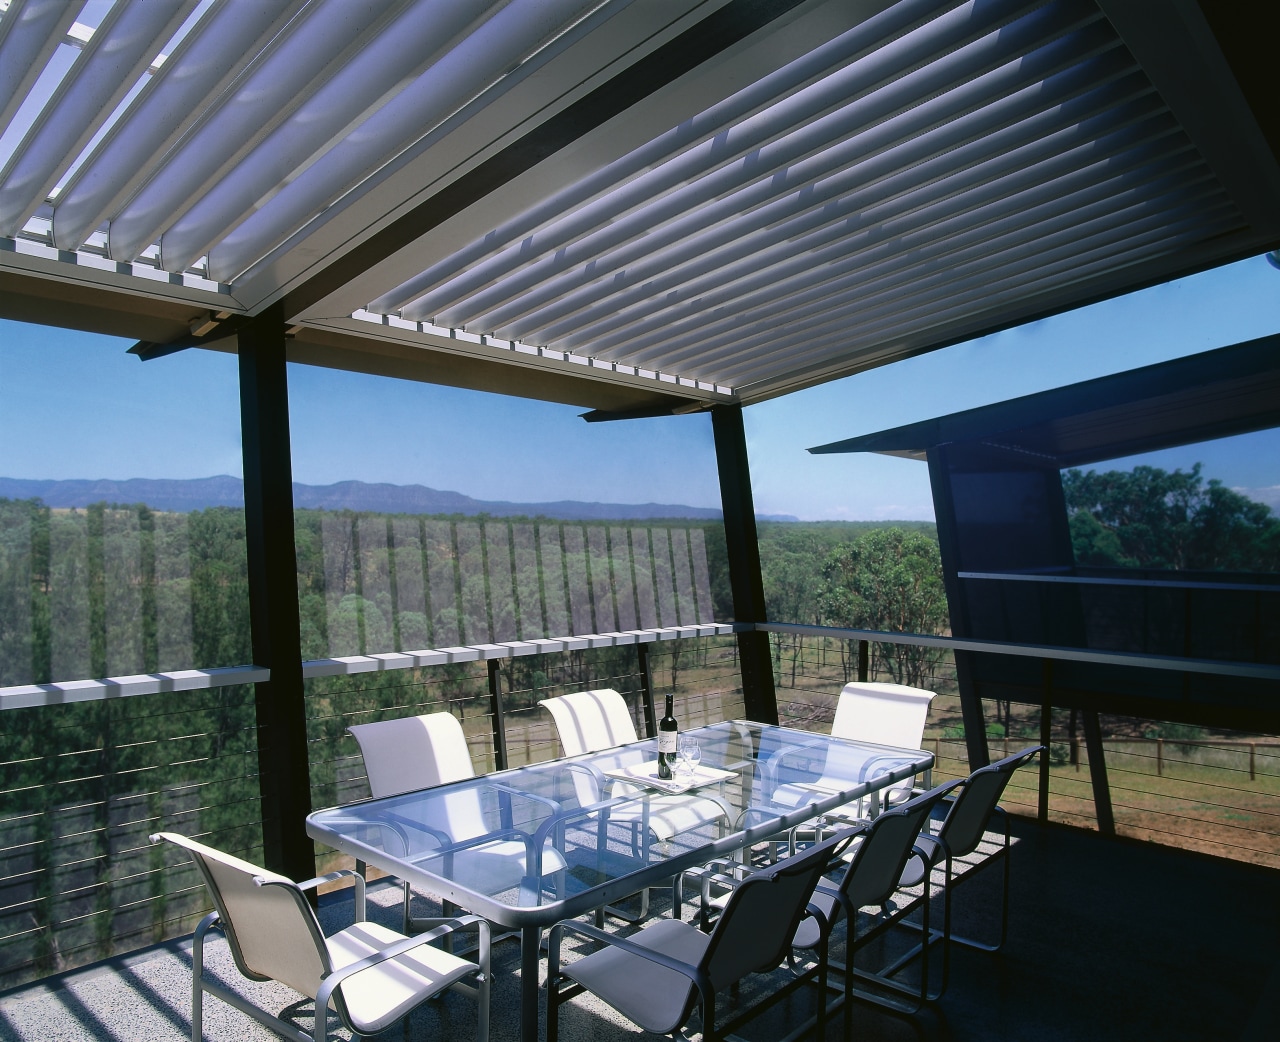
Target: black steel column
[
  {"x": 1098, "y": 774},
  {"x": 1046, "y": 739},
  {"x": 646, "y": 692},
  {"x": 500, "y": 760},
  {"x": 744, "y": 561},
  {"x": 273, "y": 596}
]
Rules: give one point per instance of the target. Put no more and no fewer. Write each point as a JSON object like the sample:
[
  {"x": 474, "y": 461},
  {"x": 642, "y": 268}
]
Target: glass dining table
[{"x": 524, "y": 848}]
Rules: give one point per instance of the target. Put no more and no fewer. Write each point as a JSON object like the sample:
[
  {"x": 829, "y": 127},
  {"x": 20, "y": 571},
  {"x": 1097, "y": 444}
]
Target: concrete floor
[{"x": 1109, "y": 940}]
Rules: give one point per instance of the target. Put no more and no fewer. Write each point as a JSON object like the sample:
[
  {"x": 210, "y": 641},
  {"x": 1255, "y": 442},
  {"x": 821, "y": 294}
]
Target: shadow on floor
[{"x": 1109, "y": 940}]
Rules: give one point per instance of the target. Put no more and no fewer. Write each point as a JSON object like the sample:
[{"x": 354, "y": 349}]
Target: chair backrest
[
  {"x": 413, "y": 752},
  {"x": 271, "y": 930},
  {"x": 588, "y": 721},
  {"x": 418, "y": 752},
  {"x": 755, "y": 929},
  {"x": 885, "y": 714},
  {"x": 878, "y": 861},
  {"x": 966, "y": 821}
]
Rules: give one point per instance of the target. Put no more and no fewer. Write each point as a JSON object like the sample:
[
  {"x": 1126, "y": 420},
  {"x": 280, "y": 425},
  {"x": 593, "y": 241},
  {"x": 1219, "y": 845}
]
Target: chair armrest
[
  {"x": 311, "y": 884},
  {"x": 769, "y": 765},
  {"x": 596, "y": 775},
  {"x": 400, "y": 826},
  {"x": 341, "y": 873},
  {"x": 403, "y": 826},
  {"x": 694, "y": 974},
  {"x": 553, "y": 805}
]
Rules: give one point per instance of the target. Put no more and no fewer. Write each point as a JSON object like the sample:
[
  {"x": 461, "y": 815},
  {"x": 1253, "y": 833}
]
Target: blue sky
[{"x": 76, "y": 406}]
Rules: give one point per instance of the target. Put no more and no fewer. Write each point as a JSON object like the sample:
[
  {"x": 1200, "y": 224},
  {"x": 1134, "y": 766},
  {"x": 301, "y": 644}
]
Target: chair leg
[
  {"x": 482, "y": 998},
  {"x": 709, "y": 1033},
  {"x": 821, "y": 1032},
  {"x": 553, "y": 985},
  {"x": 197, "y": 976}
]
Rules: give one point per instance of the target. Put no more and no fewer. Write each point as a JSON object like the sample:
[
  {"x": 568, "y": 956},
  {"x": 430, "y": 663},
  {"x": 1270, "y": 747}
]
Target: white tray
[{"x": 647, "y": 774}]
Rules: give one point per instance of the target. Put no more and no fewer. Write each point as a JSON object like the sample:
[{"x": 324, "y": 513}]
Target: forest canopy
[{"x": 1152, "y": 518}]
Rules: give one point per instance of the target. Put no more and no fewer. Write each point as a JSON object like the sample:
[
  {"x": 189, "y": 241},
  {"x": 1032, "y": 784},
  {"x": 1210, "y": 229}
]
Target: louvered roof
[{"x": 634, "y": 206}]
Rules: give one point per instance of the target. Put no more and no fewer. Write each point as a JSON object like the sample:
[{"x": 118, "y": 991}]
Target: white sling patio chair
[
  {"x": 875, "y": 878},
  {"x": 418, "y": 752},
  {"x": 591, "y": 721},
  {"x": 962, "y": 847},
  {"x": 368, "y": 975},
  {"x": 879, "y": 713},
  {"x": 657, "y": 976}
]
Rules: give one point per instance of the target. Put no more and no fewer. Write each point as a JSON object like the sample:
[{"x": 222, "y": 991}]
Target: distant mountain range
[{"x": 225, "y": 491}]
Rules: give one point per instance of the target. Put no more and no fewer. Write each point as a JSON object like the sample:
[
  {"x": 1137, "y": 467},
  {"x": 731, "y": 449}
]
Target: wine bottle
[{"x": 667, "y": 732}]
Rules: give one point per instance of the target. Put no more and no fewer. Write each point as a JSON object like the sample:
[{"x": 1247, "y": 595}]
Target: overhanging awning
[{"x": 1233, "y": 390}]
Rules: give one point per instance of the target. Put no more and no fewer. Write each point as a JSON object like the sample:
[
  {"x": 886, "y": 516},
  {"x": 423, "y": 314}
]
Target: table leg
[{"x": 530, "y": 942}]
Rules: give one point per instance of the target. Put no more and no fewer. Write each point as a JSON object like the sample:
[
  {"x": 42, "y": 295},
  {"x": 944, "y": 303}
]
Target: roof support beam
[
  {"x": 273, "y": 596},
  {"x": 743, "y": 545}
]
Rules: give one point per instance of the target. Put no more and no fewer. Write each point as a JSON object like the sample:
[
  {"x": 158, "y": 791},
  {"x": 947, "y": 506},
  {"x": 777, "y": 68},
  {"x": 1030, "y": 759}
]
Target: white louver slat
[
  {"x": 868, "y": 90},
  {"x": 29, "y": 34},
  {"x": 759, "y": 236},
  {"x": 203, "y": 66},
  {"x": 426, "y": 65},
  {"x": 294, "y": 65},
  {"x": 118, "y": 53},
  {"x": 875, "y": 240}
]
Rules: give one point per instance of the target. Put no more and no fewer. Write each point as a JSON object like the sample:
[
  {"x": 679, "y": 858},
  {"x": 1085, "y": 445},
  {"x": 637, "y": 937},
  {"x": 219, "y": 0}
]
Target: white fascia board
[
  {"x": 461, "y": 654},
  {"x": 26, "y": 696},
  {"x": 137, "y": 280},
  {"x": 548, "y": 360}
]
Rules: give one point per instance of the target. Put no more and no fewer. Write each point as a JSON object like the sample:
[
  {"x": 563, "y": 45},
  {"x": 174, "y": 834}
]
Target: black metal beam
[
  {"x": 646, "y": 692},
  {"x": 273, "y": 596},
  {"x": 1098, "y": 775},
  {"x": 500, "y": 758},
  {"x": 676, "y": 407},
  {"x": 1046, "y": 738},
  {"x": 745, "y": 579}
]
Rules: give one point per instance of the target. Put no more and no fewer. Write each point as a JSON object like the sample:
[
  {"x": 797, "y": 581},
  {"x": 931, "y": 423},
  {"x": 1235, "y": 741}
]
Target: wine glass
[{"x": 690, "y": 754}]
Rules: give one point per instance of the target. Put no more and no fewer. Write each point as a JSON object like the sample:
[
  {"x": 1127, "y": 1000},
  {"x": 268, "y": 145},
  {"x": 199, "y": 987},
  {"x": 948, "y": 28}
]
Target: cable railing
[
  {"x": 84, "y": 784},
  {"x": 1202, "y": 789},
  {"x": 82, "y": 787}
]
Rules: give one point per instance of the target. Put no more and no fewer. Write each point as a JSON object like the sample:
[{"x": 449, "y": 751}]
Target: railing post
[
  {"x": 495, "y": 707},
  {"x": 1046, "y": 732},
  {"x": 1098, "y": 774},
  {"x": 1253, "y": 750},
  {"x": 646, "y": 692},
  {"x": 864, "y": 660}
]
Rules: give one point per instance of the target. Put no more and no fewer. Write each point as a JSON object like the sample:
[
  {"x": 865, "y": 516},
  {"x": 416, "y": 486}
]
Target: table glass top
[{"x": 560, "y": 837}]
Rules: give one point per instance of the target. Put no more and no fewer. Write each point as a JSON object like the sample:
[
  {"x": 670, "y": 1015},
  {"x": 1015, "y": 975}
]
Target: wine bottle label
[{"x": 666, "y": 741}]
